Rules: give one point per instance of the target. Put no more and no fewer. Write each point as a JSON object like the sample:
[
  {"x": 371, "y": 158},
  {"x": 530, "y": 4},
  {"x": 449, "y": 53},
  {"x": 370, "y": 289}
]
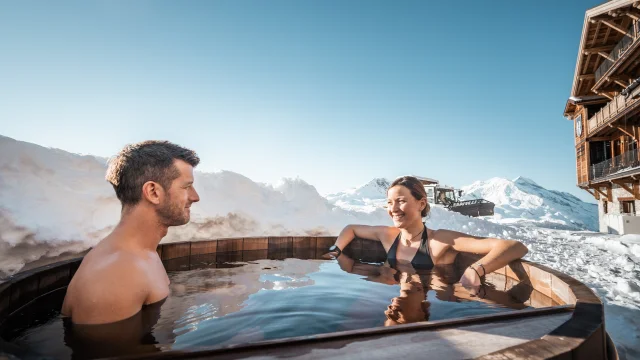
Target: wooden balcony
[
  {"x": 616, "y": 108},
  {"x": 619, "y": 166}
]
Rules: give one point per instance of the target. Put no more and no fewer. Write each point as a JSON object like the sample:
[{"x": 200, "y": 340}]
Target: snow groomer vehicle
[{"x": 448, "y": 197}]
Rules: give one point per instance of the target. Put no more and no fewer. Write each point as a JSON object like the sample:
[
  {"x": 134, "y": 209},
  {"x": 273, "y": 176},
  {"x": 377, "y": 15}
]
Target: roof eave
[{"x": 598, "y": 10}]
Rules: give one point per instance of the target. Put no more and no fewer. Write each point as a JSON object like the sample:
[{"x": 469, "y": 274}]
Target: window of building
[
  {"x": 430, "y": 195},
  {"x": 605, "y": 207},
  {"x": 628, "y": 207}
]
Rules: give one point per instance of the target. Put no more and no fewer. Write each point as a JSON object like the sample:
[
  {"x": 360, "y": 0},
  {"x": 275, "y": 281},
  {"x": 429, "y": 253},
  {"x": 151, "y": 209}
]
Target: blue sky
[{"x": 335, "y": 92}]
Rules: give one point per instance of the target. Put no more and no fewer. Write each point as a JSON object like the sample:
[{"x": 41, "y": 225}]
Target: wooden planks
[
  {"x": 439, "y": 339},
  {"x": 24, "y": 287}
]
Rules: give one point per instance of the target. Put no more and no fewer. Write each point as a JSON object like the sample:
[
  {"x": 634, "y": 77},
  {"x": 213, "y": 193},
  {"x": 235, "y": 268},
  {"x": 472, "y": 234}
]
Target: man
[{"x": 154, "y": 182}]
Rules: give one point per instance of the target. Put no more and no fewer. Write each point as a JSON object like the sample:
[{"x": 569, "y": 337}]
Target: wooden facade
[
  {"x": 568, "y": 323},
  {"x": 604, "y": 107}
]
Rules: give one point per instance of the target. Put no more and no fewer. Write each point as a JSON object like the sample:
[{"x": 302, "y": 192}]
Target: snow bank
[
  {"x": 53, "y": 202},
  {"x": 365, "y": 198}
]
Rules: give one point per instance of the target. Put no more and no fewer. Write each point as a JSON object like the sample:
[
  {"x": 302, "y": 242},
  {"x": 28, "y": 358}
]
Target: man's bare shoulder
[
  {"x": 106, "y": 264},
  {"x": 108, "y": 286}
]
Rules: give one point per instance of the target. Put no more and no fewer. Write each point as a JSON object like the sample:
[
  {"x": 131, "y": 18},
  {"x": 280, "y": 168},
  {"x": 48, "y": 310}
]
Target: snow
[
  {"x": 53, "y": 202},
  {"x": 523, "y": 201},
  {"x": 367, "y": 198}
]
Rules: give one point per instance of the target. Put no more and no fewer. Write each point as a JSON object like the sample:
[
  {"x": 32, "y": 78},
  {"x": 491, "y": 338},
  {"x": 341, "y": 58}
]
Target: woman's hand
[
  {"x": 331, "y": 255},
  {"x": 470, "y": 278}
]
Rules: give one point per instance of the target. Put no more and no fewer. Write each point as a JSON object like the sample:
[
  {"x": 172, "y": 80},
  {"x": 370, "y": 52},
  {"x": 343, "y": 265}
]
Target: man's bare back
[
  {"x": 113, "y": 283},
  {"x": 154, "y": 182}
]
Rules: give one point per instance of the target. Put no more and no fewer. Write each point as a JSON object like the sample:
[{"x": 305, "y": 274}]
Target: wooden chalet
[{"x": 605, "y": 108}]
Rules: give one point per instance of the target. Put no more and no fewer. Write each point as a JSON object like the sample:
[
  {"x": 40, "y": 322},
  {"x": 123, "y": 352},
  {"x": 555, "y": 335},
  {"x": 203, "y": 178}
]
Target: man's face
[{"x": 176, "y": 207}]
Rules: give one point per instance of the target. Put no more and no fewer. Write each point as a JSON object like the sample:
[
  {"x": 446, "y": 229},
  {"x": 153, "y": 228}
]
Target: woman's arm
[
  {"x": 380, "y": 233},
  {"x": 497, "y": 252}
]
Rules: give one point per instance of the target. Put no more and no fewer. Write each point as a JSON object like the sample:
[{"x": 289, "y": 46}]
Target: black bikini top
[{"x": 422, "y": 258}]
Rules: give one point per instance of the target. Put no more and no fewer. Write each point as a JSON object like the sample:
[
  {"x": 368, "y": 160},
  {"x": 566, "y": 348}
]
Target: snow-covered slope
[
  {"x": 367, "y": 197},
  {"x": 52, "y": 202},
  {"x": 524, "y": 201}
]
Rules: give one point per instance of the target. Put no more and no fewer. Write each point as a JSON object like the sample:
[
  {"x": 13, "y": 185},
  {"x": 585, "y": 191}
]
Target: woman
[{"x": 409, "y": 241}]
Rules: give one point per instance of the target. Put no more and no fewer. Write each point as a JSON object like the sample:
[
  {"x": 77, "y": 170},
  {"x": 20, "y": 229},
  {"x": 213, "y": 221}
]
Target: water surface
[{"x": 229, "y": 300}]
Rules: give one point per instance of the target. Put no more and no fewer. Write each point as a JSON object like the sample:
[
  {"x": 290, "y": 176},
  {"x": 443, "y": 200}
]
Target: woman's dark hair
[{"x": 416, "y": 188}]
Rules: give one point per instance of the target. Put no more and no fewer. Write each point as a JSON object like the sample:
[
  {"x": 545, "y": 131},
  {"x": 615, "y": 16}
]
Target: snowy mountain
[
  {"x": 519, "y": 201},
  {"x": 367, "y": 197},
  {"x": 524, "y": 201}
]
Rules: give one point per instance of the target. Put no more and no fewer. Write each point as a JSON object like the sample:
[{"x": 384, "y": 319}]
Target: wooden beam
[
  {"x": 587, "y": 151},
  {"x": 614, "y": 26},
  {"x": 597, "y": 49},
  {"x": 605, "y": 55},
  {"x": 593, "y": 193},
  {"x": 596, "y": 63},
  {"x": 621, "y": 12},
  {"x": 600, "y": 191},
  {"x": 605, "y": 95},
  {"x": 587, "y": 77},
  {"x": 606, "y": 35},
  {"x": 609, "y": 196},
  {"x": 622, "y": 185},
  {"x": 601, "y": 138},
  {"x": 626, "y": 131},
  {"x": 636, "y": 190},
  {"x": 585, "y": 69},
  {"x": 632, "y": 15},
  {"x": 595, "y": 35},
  {"x": 619, "y": 82},
  {"x": 621, "y": 77}
]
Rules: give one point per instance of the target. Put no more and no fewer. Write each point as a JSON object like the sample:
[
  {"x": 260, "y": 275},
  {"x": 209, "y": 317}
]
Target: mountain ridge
[{"x": 520, "y": 200}]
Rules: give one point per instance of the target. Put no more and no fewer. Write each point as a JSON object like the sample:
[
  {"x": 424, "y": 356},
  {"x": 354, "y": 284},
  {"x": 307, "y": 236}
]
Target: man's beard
[{"x": 172, "y": 214}]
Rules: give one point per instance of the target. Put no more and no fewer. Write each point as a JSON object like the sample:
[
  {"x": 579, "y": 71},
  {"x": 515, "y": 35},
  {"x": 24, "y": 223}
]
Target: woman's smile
[{"x": 398, "y": 216}]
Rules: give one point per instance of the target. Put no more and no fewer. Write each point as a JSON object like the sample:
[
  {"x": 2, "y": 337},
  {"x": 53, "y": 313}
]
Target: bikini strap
[
  {"x": 394, "y": 247},
  {"x": 424, "y": 245}
]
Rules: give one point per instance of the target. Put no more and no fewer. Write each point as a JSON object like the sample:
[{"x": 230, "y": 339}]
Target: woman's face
[{"x": 403, "y": 208}]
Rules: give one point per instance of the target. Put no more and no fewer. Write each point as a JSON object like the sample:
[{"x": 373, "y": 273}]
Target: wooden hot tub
[{"x": 567, "y": 322}]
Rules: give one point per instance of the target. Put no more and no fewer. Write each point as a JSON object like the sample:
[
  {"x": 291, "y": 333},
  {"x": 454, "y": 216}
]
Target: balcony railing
[
  {"x": 609, "y": 111},
  {"x": 619, "y": 50},
  {"x": 624, "y": 161}
]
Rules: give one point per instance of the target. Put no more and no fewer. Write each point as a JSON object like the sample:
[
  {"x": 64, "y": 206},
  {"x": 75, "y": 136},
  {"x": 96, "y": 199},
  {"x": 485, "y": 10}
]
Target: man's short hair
[{"x": 150, "y": 160}]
